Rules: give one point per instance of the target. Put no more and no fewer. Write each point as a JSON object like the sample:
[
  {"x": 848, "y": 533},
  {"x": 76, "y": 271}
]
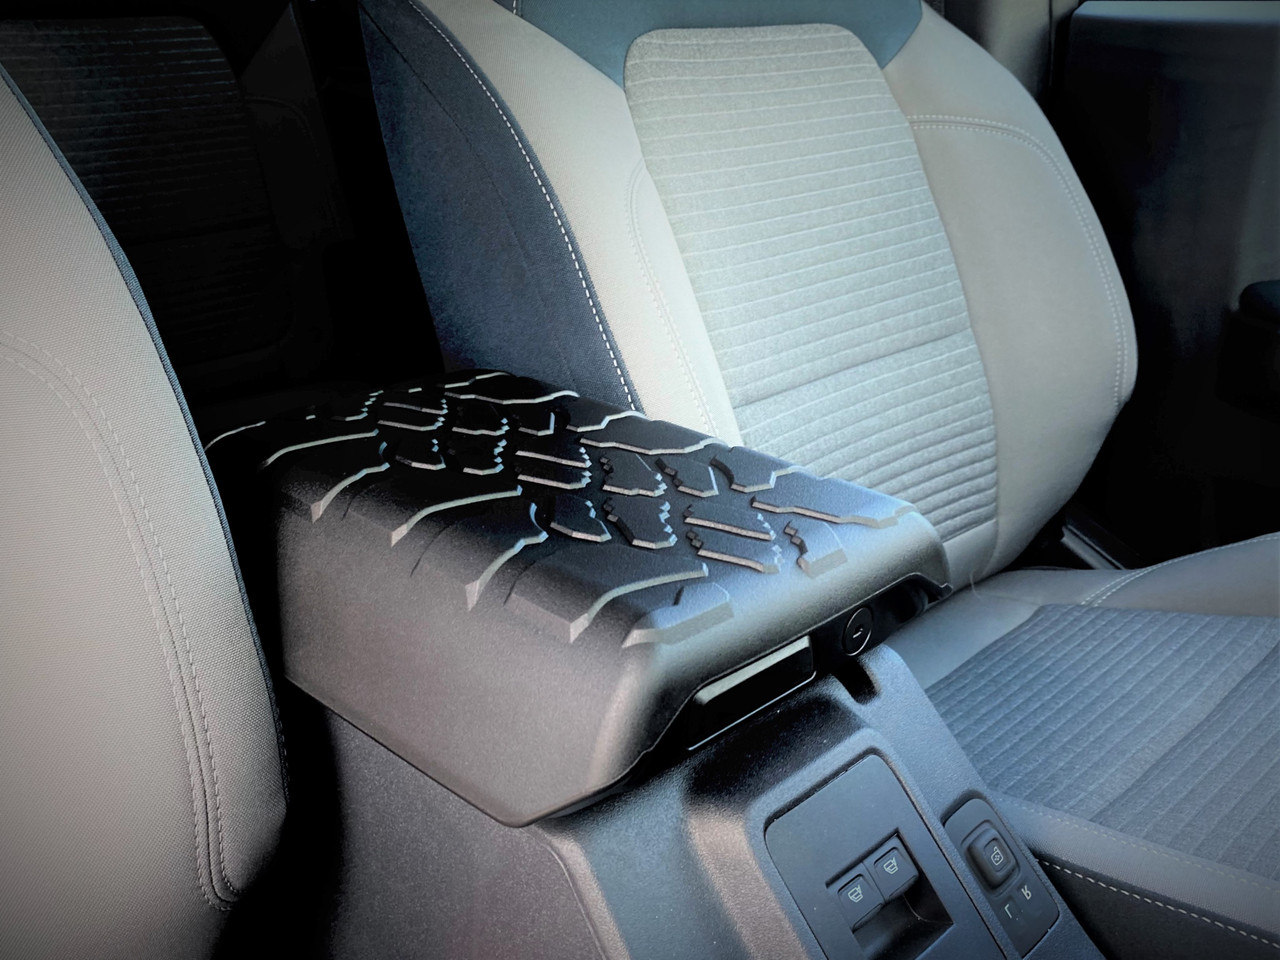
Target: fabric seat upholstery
[
  {"x": 1130, "y": 721},
  {"x": 141, "y": 771},
  {"x": 841, "y": 233}
]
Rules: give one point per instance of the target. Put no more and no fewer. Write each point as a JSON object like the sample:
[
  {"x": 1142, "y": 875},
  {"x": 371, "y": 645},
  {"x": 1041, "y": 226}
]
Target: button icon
[
  {"x": 1026, "y": 892},
  {"x": 859, "y": 898},
  {"x": 1013, "y": 919},
  {"x": 992, "y": 857},
  {"x": 893, "y": 869}
]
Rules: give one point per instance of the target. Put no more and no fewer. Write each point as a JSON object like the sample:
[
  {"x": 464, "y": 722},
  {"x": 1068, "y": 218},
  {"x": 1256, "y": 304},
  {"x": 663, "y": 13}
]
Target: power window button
[
  {"x": 859, "y": 898},
  {"x": 992, "y": 857},
  {"x": 894, "y": 870}
]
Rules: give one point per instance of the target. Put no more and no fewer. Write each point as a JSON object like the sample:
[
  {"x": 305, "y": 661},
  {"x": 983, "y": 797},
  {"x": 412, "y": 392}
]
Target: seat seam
[
  {"x": 1158, "y": 903},
  {"x": 659, "y": 299},
  {"x": 1017, "y": 134},
  {"x": 211, "y": 896},
  {"x": 134, "y": 289},
  {"x": 564, "y": 233},
  {"x": 1096, "y": 598},
  {"x": 173, "y": 595},
  {"x": 1137, "y": 844},
  {"x": 1117, "y": 581}
]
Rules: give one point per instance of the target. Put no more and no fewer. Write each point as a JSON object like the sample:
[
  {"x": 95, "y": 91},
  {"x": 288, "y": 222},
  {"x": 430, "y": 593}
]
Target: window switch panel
[{"x": 1021, "y": 902}]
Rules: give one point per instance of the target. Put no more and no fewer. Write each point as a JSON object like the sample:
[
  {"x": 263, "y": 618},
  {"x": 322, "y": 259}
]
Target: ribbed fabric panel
[
  {"x": 1216, "y": 794},
  {"x": 793, "y": 185},
  {"x": 1163, "y": 725},
  {"x": 150, "y": 117}
]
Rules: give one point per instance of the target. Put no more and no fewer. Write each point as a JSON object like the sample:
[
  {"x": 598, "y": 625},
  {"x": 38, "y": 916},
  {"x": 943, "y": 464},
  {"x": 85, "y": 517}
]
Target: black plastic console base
[
  {"x": 682, "y": 865},
  {"x": 868, "y": 876}
]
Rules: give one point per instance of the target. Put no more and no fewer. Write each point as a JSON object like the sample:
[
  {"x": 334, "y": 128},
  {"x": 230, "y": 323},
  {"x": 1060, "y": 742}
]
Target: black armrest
[{"x": 519, "y": 590}]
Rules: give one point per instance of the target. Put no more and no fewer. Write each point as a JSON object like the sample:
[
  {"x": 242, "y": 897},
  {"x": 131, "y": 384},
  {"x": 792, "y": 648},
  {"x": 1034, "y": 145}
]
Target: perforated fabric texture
[
  {"x": 1165, "y": 726},
  {"x": 824, "y": 275}
]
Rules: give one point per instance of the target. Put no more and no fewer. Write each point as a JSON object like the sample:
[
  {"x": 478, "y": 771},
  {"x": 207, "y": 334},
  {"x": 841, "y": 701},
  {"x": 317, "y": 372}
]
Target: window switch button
[
  {"x": 992, "y": 856},
  {"x": 859, "y": 899},
  {"x": 893, "y": 869}
]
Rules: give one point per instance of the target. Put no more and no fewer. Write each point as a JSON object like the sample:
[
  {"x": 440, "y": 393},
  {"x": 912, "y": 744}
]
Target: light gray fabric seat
[
  {"x": 1130, "y": 722},
  {"x": 841, "y": 233},
  {"x": 141, "y": 773}
]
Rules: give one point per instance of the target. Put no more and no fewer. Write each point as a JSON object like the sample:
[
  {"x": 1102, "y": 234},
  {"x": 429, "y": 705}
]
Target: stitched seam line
[
  {"x": 1104, "y": 592},
  {"x": 1159, "y": 903},
  {"x": 1018, "y": 134},
  {"x": 660, "y": 301},
  {"x": 1139, "y": 845},
  {"x": 173, "y": 596},
  {"x": 175, "y": 682},
  {"x": 130, "y": 281},
  {"x": 545, "y": 195}
]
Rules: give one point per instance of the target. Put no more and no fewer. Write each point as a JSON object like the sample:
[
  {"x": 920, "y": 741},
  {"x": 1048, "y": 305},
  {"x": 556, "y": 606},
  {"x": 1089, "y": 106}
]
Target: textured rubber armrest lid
[{"x": 517, "y": 589}]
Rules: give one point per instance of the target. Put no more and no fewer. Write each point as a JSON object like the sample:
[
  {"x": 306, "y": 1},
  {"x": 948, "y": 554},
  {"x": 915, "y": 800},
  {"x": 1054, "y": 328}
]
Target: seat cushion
[{"x": 1132, "y": 722}]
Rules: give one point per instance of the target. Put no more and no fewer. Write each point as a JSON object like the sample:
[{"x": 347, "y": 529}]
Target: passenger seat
[
  {"x": 840, "y": 233},
  {"x": 142, "y": 778}
]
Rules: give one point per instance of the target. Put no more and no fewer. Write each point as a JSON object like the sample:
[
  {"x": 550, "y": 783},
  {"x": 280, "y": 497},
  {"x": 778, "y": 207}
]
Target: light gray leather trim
[
  {"x": 969, "y": 553},
  {"x": 1044, "y": 296},
  {"x": 1148, "y": 870},
  {"x": 144, "y": 311},
  {"x": 148, "y": 560},
  {"x": 1239, "y": 579},
  {"x": 576, "y": 121},
  {"x": 961, "y": 627}
]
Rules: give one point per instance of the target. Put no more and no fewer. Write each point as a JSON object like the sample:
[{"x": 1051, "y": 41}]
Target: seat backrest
[
  {"x": 141, "y": 777},
  {"x": 835, "y": 230}
]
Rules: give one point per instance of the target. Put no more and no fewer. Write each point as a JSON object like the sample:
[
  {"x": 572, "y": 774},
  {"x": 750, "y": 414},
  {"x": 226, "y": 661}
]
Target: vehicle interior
[{"x": 640, "y": 479}]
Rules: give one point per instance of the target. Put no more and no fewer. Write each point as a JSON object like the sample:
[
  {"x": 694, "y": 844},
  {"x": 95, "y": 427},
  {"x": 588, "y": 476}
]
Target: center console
[{"x": 603, "y": 685}]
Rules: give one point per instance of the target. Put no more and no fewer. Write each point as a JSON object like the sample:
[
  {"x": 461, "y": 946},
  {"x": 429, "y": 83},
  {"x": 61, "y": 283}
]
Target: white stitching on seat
[
  {"x": 997, "y": 128},
  {"x": 1111, "y": 588},
  {"x": 1127, "y": 841},
  {"x": 1158, "y": 903},
  {"x": 1118, "y": 580},
  {"x": 545, "y": 194},
  {"x": 212, "y": 897}
]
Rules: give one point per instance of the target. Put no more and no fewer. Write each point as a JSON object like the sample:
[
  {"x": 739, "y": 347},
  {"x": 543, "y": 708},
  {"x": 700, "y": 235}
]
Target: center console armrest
[{"x": 523, "y": 592}]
